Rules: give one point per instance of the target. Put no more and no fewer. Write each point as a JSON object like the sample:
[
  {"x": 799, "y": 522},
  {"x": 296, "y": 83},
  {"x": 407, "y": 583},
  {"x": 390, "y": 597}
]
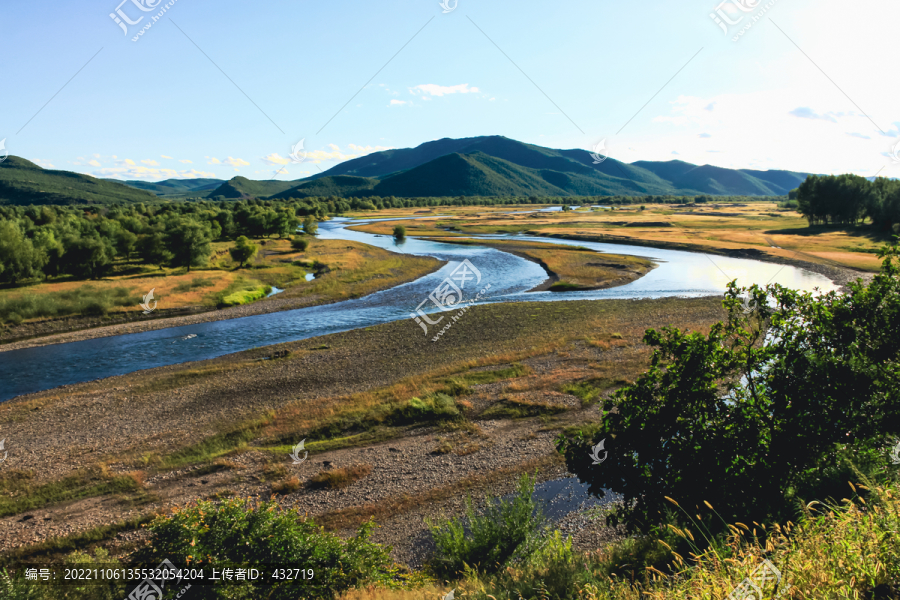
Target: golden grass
[{"x": 757, "y": 226}]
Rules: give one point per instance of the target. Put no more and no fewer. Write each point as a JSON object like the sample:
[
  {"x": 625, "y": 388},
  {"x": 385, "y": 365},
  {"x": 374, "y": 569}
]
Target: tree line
[
  {"x": 38, "y": 242},
  {"x": 849, "y": 200}
]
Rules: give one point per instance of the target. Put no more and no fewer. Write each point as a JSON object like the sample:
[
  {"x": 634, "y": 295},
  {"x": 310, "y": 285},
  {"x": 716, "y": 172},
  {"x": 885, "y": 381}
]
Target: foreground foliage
[{"x": 752, "y": 427}]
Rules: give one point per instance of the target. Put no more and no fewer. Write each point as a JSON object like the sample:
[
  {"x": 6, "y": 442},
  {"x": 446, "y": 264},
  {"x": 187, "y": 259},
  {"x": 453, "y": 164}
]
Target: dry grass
[
  {"x": 758, "y": 226},
  {"x": 575, "y": 268},
  {"x": 426, "y": 593}
]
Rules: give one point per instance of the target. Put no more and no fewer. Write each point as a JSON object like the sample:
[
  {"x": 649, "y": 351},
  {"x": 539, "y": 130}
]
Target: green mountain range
[
  {"x": 499, "y": 166},
  {"x": 22, "y": 183},
  {"x": 480, "y": 166},
  {"x": 175, "y": 187}
]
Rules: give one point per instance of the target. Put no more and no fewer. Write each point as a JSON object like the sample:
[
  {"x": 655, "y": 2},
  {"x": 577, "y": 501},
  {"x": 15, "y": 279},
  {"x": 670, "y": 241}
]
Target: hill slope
[
  {"x": 22, "y": 183},
  {"x": 174, "y": 186}
]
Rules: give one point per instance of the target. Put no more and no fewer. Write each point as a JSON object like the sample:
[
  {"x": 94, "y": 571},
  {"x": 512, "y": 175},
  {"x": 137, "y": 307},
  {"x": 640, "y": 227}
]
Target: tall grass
[{"x": 86, "y": 300}]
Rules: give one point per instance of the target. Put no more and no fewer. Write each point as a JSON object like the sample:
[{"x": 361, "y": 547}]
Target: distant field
[
  {"x": 761, "y": 226},
  {"x": 343, "y": 270}
]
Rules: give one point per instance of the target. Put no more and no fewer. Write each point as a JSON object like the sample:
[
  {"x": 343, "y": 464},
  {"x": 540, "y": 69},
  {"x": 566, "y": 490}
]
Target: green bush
[
  {"x": 241, "y": 532},
  {"x": 299, "y": 244},
  {"x": 503, "y": 532},
  {"x": 769, "y": 410},
  {"x": 399, "y": 232}
]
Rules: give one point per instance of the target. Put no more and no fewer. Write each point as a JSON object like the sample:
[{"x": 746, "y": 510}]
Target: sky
[{"x": 226, "y": 88}]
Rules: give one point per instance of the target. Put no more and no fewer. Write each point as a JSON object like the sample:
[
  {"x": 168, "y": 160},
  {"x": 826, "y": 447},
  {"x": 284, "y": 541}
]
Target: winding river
[{"x": 679, "y": 274}]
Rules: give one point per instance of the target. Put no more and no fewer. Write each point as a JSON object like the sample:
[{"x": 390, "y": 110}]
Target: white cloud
[
  {"x": 186, "y": 161},
  {"x": 275, "y": 159},
  {"x": 164, "y": 156},
  {"x": 336, "y": 154},
  {"x": 125, "y": 162},
  {"x": 432, "y": 89},
  {"x": 43, "y": 162},
  {"x": 94, "y": 163},
  {"x": 397, "y": 103},
  {"x": 236, "y": 162},
  {"x": 214, "y": 161},
  {"x": 804, "y": 112},
  {"x": 150, "y": 163}
]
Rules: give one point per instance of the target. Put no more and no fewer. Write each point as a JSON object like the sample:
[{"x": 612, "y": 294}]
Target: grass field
[
  {"x": 572, "y": 268},
  {"x": 759, "y": 226},
  {"x": 342, "y": 270}
]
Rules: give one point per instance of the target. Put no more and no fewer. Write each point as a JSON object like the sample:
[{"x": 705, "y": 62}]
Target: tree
[
  {"x": 760, "y": 413},
  {"x": 243, "y": 250},
  {"x": 87, "y": 256},
  {"x": 152, "y": 249},
  {"x": 399, "y": 232},
  {"x": 19, "y": 259},
  {"x": 299, "y": 244},
  {"x": 310, "y": 226},
  {"x": 189, "y": 244}
]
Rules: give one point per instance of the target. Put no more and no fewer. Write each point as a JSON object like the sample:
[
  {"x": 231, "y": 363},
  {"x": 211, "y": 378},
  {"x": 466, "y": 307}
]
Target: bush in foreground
[
  {"x": 766, "y": 411},
  {"x": 502, "y": 533},
  {"x": 243, "y": 532}
]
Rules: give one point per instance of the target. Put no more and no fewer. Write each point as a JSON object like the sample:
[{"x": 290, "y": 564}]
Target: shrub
[
  {"x": 399, "y": 232},
  {"x": 501, "y": 533},
  {"x": 240, "y": 532},
  {"x": 299, "y": 244},
  {"x": 752, "y": 416},
  {"x": 243, "y": 250},
  {"x": 341, "y": 477}
]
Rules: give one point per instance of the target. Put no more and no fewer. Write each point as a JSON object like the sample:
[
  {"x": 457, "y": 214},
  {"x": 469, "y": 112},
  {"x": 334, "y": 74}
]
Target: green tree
[
  {"x": 399, "y": 232},
  {"x": 152, "y": 249},
  {"x": 19, "y": 258},
  {"x": 299, "y": 244},
  {"x": 89, "y": 256},
  {"x": 189, "y": 244},
  {"x": 243, "y": 250},
  {"x": 310, "y": 226},
  {"x": 758, "y": 414}
]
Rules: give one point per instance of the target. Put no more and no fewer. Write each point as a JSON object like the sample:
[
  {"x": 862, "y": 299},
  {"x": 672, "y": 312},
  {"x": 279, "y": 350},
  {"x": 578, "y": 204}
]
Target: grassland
[
  {"x": 228, "y": 420},
  {"x": 761, "y": 229},
  {"x": 342, "y": 270},
  {"x": 571, "y": 268}
]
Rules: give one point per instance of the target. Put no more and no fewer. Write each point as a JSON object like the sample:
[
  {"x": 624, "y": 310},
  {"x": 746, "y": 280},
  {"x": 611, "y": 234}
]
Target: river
[{"x": 679, "y": 274}]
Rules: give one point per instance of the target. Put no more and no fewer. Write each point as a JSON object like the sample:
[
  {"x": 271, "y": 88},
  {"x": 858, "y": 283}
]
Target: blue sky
[{"x": 218, "y": 89}]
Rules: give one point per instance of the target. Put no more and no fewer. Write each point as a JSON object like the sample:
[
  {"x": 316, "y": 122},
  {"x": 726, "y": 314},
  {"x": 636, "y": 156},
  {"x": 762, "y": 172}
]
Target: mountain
[
  {"x": 498, "y": 166},
  {"x": 479, "y": 166},
  {"x": 174, "y": 186},
  {"x": 22, "y": 183}
]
